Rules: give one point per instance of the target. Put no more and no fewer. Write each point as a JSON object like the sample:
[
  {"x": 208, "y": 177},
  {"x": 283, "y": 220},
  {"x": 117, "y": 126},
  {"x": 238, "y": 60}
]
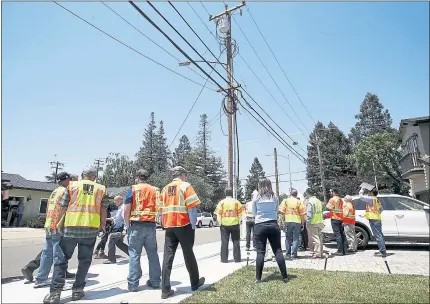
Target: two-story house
[{"x": 414, "y": 136}]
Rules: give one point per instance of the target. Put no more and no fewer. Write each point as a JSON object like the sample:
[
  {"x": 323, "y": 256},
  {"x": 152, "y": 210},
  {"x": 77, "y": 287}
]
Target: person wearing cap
[
  {"x": 140, "y": 212},
  {"x": 53, "y": 227},
  {"x": 314, "y": 217},
  {"x": 84, "y": 204},
  {"x": 179, "y": 217}
]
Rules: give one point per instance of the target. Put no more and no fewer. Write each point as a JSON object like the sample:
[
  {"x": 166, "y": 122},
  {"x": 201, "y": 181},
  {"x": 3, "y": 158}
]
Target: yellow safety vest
[
  {"x": 85, "y": 204},
  {"x": 373, "y": 212},
  {"x": 229, "y": 210},
  {"x": 54, "y": 208},
  {"x": 317, "y": 217},
  {"x": 291, "y": 208}
]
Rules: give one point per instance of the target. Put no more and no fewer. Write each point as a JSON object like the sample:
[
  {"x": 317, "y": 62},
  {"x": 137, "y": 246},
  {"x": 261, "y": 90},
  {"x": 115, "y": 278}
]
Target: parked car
[
  {"x": 204, "y": 219},
  {"x": 404, "y": 219}
]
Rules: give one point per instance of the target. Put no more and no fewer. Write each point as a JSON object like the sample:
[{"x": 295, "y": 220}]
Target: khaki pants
[
  {"x": 351, "y": 237},
  {"x": 315, "y": 232}
]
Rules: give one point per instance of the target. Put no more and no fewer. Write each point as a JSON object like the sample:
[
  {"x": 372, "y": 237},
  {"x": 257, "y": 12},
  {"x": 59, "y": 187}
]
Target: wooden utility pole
[
  {"x": 98, "y": 162},
  {"x": 56, "y": 165},
  {"x": 231, "y": 107},
  {"x": 276, "y": 171}
]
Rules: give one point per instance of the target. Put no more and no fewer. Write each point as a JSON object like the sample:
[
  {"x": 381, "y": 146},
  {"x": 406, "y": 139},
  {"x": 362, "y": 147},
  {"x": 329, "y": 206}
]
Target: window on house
[{"x": 43, "y": 206}]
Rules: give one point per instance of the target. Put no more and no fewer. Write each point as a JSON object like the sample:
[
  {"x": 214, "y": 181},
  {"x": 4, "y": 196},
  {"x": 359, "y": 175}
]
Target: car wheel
[
  {"x": 362, "y": 237},
  {"x": 211, "y": 224},
  {"x": 199, "y": 225}
]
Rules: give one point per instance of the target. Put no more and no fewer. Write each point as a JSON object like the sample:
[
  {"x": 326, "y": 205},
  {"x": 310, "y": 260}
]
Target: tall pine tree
[
  {"x": 181, "y": 152},
  {"x": 147, "y": 155},
  {"x": 255, "y": 174},
  {"x": 239, "y": 191},
  {"x": 162, "y": 150}
]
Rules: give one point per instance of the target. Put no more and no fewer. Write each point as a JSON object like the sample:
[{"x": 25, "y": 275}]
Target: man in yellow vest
[
  {"x": 315, "y": 222},
  {"x": 84, "y": 203},
  {"x": 373, "y": 215},
  {"x": 52, "y": 250},
  {"x": 294, "y": 212},
  {"x": 229, "y": 212}
]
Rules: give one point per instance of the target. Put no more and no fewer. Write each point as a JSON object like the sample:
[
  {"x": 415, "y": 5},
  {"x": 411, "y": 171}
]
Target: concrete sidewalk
[
  {"x": 12, "y": 233},
  {"x": 108, "y": 283}
]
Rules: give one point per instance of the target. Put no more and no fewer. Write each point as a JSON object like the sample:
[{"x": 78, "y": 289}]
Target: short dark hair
[
  {"x": 374, "y": 192},
  {"x": 142, "y": 174},
  {"x": 335, "y": 191},
  {"x": 228, "y": 191},
  {"x": 294, "y": 193}
]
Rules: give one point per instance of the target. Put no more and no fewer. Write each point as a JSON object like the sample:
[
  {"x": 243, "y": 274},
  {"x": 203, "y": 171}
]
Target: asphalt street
[{"x": 17, "y": 252}]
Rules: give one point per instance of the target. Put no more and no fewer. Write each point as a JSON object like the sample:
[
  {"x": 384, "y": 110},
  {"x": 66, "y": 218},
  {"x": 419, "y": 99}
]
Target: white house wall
[{"x": 31, "y": 208}]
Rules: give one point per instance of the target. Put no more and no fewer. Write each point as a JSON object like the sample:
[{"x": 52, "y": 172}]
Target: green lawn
[{"x": 311, "y": 286}]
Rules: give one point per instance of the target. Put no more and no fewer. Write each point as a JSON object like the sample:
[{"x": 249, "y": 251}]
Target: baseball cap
[
  {"x": 90, "y": 172},
  {"x": 63, "y": 176},
  {"x": 179, "y": 170}
]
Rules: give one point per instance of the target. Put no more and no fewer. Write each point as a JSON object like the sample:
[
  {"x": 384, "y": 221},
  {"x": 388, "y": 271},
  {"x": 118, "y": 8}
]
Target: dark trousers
[
  {"x": 85, "y": 257},
  {"x": 116, "y": 240},
  {"x": 34, "y": 264},
  {"x": 339, "y": 234},
  {"x": 250, "y": 231},
  {"x": 268, "y": 231},
  {"x": 18, "y": 220},
  {"x": 173, "y": 237},
  {"x": 226, "y": 232},
  {"x": 304, "y": 238},
  {"x": 102, "y": 244}
]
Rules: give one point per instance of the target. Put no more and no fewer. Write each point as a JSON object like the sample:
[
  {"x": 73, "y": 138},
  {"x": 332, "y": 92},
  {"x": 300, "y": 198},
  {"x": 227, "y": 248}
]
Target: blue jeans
[
  {"x": 376, "y": 227},
  {"x": 292, "y": 229},
  {"x": 51, "y": 253},
  {"x": 142, "y": 235}
]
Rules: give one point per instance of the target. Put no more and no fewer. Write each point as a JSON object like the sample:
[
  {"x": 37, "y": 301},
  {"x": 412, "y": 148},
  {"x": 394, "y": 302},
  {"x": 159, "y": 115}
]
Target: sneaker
[
  {"x": 28, "y": 274},
  {"x": 258, "y": 281},
  {"x": 41, "y": 284},
  {"x": 53, "y": 297},
  {"x": 77, "y": 295},
  {"x": 165, "y": 295},
  {"x": 152, "y": 285},
  {"x": 284, "y": 280},
  {"x": 109, "y": 262},
  {"x": 380, "y": 254},
  {"x": 96, "y": 254},
  {"x": 199, "y": 284},
  {"x": 70, "y": 275}
]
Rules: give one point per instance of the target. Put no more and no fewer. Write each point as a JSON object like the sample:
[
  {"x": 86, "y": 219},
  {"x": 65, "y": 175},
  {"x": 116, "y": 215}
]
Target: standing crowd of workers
[{"x": 78, "y": 211}]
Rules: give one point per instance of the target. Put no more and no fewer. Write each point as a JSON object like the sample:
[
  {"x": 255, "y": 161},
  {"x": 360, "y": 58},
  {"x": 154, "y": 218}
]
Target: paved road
[{"x": 17, "y": 252}]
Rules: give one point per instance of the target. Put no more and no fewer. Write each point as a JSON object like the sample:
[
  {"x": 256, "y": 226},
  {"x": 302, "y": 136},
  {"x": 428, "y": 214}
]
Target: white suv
[
  {"x": 404, "y": 219},
  {"x": 204, "y": 219}
]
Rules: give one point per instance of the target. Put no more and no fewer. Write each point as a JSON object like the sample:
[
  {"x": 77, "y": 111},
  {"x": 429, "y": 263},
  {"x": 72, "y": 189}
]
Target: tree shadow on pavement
[{"x": 276, "y": 276}]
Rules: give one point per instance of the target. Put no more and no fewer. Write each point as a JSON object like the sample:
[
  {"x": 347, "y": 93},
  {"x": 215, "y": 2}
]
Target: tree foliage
[
  {"x": 119, "y": 171},
  {"x": 255, "y": 174},
  {"x": 147, "y": 154},
  {"x": 181, "y": 152}
]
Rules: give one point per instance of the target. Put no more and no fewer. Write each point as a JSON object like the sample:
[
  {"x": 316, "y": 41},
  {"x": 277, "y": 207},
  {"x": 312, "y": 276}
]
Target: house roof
[
  {"x": 20, "y": 182},
  {"x": 114, "y": 191},
  {"x": 411, "y": 121}
]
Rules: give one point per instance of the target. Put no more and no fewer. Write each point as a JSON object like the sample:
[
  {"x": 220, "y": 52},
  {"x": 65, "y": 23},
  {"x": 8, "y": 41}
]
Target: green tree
[
  {"x": 162, "y": 153},
  {"x": 373, "y": 118},
  {"x": 378, "y": 156},
  {"x": 239, "y": 191},
  {"x": 255, "y": 174},
  {"x": 147, "y": 154},
  {"x": 181, "y": 152},
  {"x": 50, "y": 178},
  {"x": 119, "y": 171}
]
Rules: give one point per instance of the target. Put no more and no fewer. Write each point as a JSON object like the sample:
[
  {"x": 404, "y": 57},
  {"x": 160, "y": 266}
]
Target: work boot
[
  {"x": 42, "y": 283},
  {"x": 96, "y": 254},
  {"x": 77, "y": 295},
  {"x": 109, "y": 262},
  {"x": 70, "y": 275},
  {"x": 165, "y": 295},
  {"x": 152, "y": 285},
  {"x": 199, "y": 284},
  {"x": 27, "y": 273},
  {"x": 52, "y": 297}
]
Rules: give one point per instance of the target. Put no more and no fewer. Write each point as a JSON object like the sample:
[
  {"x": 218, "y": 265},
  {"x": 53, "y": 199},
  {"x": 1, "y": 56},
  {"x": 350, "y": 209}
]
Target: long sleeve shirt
[
  {"x": 309, "y": 213},
  {"x": 118, "y": 220}
]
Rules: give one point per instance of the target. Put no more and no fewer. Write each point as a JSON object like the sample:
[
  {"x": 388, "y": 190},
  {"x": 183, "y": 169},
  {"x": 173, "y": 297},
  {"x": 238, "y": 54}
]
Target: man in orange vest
[
  {"x": 349, "y": 223},
  {"x": 179, "y": 217},
  {"x": 335, "y": 205},
  {"x": 140, "y": 212}
]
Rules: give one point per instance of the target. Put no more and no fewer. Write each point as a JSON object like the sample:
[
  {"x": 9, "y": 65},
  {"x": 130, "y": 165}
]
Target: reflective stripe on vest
[
  {"x": 229, "y": 212},
  {"x": 350, "y": 217},
  {"x": 54, "y": 208},
  {"x": 85, "y": 204},
  {"x": 317, "y": 217},
  {"x": 373, "y": 212},
  {"x": 174, "y": 210},
  {"x": 292, "y": 212},
  {"x": 337, "y": 212},
  {"x": 145, "y": 203}
]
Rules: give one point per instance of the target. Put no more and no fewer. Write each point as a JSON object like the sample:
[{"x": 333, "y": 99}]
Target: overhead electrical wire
[
  {"x": 129, "y": 47},
  {"x": 147, "y": 37}
]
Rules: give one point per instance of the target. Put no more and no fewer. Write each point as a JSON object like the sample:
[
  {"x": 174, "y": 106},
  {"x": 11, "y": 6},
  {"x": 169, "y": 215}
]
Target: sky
[{"x": 72, "y": 94}]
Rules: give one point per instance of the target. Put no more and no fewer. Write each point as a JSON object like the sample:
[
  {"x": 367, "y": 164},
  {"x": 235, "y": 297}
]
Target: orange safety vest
[
  {"x": 54, "y": 208},
  {"x": 145, "y": 203},
  {"x": 350, "y": 217},
  {"x": 177, "y": 197},
  {"x": 337, "y": 212}
]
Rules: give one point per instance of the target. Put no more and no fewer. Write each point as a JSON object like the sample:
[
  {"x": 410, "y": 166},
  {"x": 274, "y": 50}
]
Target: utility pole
[
  {"x": 56, "y": 165},
  {"x": 98, "y": 162},
  {"x": 289, "y": 171},
  {"x": 224, "y": 18},
  {"x": 321, "y": 168},
  {"x": 276, "y": 171}
]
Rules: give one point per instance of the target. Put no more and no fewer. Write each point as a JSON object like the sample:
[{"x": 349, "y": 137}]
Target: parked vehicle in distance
[
  {"x": 404, "y": 219},
  {"x": 204, "y": 219}
]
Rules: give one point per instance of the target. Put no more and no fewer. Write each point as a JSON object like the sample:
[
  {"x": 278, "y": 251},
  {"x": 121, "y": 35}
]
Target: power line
[
  {"x": 129, "y": 47},
  {"x": 147, "y": 37},
  {"x": 285, "y": 74}
]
